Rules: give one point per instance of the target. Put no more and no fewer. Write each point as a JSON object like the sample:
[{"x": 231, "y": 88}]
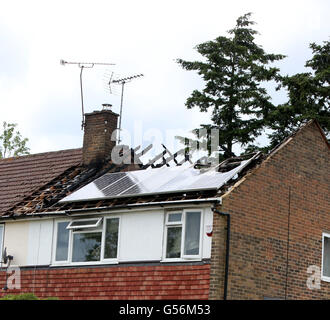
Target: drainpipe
[{"x": 225, "y": 286}]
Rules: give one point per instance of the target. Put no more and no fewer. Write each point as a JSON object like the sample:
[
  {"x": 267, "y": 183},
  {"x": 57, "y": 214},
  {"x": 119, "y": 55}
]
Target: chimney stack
[{"x": 98, "y": 129}]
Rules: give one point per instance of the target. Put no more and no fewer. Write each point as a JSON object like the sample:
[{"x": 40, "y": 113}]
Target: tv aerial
[
  {"x": 83, "y": 65},
  {"x": 122, "y": 82}
]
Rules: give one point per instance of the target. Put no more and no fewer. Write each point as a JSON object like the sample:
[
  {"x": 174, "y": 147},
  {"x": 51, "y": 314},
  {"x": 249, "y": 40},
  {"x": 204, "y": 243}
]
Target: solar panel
[{"x": 153, "y": 181}]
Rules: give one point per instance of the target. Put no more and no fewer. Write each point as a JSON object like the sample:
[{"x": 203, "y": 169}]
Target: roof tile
[{"x": 20, "y": 176}]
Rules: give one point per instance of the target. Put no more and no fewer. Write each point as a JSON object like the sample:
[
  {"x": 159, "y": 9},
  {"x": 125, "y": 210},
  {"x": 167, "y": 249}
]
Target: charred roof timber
[{"x": 46, "y": 199}]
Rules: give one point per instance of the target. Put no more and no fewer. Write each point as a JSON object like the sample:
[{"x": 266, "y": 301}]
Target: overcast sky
[{"x": 43, "y": 97}]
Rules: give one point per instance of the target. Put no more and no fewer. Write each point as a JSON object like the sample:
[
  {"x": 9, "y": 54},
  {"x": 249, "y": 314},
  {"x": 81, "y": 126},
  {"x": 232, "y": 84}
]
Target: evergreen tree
[
  {"x": 308, "y": 97},
  {"x": 234, "y": 69}
]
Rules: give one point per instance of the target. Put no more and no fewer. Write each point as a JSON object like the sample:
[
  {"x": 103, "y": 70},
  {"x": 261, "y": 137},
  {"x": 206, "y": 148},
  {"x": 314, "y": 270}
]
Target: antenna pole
[
  {"x": 121, "y": 109},
  {"x": 83, "y": 65},
  {"x": 82, "y": 99},
  {"x": 122, "y": 82}
]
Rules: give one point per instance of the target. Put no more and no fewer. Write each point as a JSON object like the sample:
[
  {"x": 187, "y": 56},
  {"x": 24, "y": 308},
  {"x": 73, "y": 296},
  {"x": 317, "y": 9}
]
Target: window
[
  {"x": 84, "y": 223},
  {"x": 62, "y": 244},
  {"x": 326, "y": 256},
  {"x": 87, "y": 240},
  {"x": 183, "y": 235},
  {"x": 1, "y": 239}
]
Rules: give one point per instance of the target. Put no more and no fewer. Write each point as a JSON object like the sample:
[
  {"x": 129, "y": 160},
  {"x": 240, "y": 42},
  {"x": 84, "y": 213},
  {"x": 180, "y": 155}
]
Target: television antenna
[
  {"x": 122, "y": 81},
  {"x": 83, "y": 65}
]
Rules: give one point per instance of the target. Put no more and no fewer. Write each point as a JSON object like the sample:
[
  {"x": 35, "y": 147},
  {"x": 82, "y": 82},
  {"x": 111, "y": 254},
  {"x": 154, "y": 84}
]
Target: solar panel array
[{"x": 183, "y": 178}]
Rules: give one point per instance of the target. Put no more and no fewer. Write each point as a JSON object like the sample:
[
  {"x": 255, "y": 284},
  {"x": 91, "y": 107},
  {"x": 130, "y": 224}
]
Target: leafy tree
[
  {"x": 234, "y": 69},
  {"x": 308, "y": 97},
  {"x": 11, "y": 142}
]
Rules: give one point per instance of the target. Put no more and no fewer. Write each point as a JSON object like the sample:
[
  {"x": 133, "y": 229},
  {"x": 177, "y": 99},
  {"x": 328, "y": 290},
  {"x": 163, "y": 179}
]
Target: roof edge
[{"x": 39, "y": 154}]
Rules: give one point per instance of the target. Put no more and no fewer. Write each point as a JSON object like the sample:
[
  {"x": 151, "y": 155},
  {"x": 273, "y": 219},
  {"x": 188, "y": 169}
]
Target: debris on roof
[
  {"x": 68, "y": 177},
  {"x": 46, "y": 198}
]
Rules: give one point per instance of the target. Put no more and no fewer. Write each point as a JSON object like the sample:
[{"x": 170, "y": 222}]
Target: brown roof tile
[{"x": 20, "y": 176}]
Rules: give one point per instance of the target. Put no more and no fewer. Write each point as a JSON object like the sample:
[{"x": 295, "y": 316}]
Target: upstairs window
[
  {"x": 1, "y": 239},
  {"x": 326, "y": 256},
  {"x": 183, "y": 235},
  {"x": 84, "y": 223},
  {"x": 87, "y": 240}
]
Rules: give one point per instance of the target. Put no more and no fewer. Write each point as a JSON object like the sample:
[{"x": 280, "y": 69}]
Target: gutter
[
  {"x": 148, "y": 204},
  {"x": 99, "y": 209},
  {"x": 225, "y": 286}
]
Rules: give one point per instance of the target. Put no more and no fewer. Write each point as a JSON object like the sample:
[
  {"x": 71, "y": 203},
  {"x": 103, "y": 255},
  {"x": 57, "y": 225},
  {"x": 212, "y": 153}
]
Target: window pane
[
  {"x": 62, "y": 242},
  {"x": 174, "y": 217},
  {"x": 326, "y": 257},
  {"x": 111, "y": 238},
  {"x": 173, "y": 246},
  {"x": 192, "y": 233},
  {"x": 1, "y": 238},
  {"x": 86, "y": 246}
]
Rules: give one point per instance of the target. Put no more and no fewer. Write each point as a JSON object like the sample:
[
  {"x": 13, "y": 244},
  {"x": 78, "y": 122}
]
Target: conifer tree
[
  {"x": 308, "y": 97},
  {"x": 234, "y": 70}
]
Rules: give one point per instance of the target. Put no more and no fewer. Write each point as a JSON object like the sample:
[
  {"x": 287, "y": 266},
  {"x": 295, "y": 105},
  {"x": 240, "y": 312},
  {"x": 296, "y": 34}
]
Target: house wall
[
  {"x": 279, "y": 211},
  {"x": 140, "y": 238},
  {"x": 29, "y": 242},
  {"x": 140, "y": 243},
  {"x": 189, "y": 281},
  {"x": 16, "y": 238}
]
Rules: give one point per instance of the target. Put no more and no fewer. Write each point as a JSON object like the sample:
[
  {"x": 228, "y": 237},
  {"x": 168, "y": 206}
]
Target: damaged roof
[
  {"x": 47, "y": 198},
  {"x": 35, "y": 184}
]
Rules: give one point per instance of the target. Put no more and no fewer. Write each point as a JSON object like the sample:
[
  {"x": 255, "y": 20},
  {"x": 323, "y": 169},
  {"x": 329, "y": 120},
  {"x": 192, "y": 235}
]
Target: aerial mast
[
  {"x": 122, "y": 81},
  {"x": 83, "y": 65}
]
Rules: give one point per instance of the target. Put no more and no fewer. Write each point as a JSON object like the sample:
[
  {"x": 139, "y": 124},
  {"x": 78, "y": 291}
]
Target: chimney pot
[{"x": 107, "y": 106}]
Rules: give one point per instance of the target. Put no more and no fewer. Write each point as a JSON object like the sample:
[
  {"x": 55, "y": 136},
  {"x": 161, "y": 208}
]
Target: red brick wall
[
  {"x": 259, "y": 209},
  {"x": 117, "y": 282},
  {"x": 97, "y": 145}
]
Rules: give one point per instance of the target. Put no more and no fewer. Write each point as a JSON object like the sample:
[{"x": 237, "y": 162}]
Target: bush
[{"x": 25, "y": 296}]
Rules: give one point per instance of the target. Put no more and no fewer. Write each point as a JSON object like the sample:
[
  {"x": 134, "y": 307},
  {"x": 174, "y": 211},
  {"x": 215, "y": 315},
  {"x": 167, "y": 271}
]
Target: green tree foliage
[
  {"x": 233, "y": 72},
  {"x": 11, "y": 142},
  {"x": 25, "y": 296},
  {"x": 308, "y": 97}
]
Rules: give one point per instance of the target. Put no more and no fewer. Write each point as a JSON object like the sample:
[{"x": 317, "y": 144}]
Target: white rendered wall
[
  {"x": 40, "y": 242},
  {"x": 206, "y": 240},
  {"x": 16, "y": 241},
  {"x": 141, "y": 236}
]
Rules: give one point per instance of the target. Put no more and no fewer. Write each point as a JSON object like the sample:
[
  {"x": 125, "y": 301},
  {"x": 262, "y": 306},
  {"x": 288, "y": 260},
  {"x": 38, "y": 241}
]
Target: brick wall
[
  {"x": 296, "y": 180},
  {"x": 116, "y": 282},
  {"x": 99, "y": 126}
]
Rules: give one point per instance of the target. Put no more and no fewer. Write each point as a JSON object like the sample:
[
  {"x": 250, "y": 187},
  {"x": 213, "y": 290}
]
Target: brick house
[{"x": 80, "y": 226}]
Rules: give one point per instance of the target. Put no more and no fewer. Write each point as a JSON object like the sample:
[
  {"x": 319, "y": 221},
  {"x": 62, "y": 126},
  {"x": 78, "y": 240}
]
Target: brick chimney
[{"x": 98, "y": 129}]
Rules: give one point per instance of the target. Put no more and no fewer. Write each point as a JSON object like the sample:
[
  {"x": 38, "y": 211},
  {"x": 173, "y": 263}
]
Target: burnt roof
[
  {"x": 34, "y": 184},
  {"x": 46, "y": 199}
]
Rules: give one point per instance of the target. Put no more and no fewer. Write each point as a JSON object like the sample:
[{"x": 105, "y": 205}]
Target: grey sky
[{"x": 142, "y": 36}]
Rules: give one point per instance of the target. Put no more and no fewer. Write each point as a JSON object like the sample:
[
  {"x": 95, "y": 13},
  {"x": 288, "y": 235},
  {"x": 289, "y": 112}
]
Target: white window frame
[
  {"x": 324, "y": 235},
  {"x": 74, "y": 230},
  {"x": 114, "y": 260},
  {"x": 86, "y": 226},
  {"x": 2, "y": 226},
  {"x": 55, "y": 243},
  {"x": 167, "y": 225}
]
